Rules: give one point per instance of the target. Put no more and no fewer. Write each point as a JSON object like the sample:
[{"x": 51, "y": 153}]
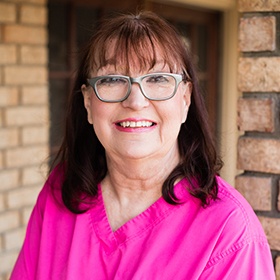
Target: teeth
[{"x": 136, "y": 124}]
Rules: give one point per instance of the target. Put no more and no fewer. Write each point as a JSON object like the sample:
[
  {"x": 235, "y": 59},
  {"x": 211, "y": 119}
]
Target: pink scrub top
[{"x": 222, "y": 241}]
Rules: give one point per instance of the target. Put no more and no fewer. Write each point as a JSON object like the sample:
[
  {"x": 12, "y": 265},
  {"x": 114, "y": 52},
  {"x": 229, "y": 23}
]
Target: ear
[
  {"x": 87, "y": 94},
  {"x": 186, "y": 99}
]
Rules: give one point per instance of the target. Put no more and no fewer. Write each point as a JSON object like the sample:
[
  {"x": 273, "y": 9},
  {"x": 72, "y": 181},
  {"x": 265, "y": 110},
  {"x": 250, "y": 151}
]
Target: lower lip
[{"x": 135, "y": 129}]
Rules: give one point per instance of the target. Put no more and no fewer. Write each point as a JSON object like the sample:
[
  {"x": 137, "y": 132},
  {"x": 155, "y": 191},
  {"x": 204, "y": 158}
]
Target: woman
[{"x": 135, "y": 193}]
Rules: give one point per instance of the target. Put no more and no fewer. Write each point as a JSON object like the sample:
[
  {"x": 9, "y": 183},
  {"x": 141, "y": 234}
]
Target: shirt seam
[{"x": 235, "y": 248}]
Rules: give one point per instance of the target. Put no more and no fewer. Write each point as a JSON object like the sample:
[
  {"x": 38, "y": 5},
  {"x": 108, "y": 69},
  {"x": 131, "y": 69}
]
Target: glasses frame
[{"x": 138, "y": 80}]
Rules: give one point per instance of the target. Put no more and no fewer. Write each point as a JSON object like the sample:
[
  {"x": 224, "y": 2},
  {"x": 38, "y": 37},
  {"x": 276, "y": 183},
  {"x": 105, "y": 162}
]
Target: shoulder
[
  {"x": 232, "y": 203},
  {"x": 239, "y": 234},
  {"x": 51, "y": 191},
  {"x": 238, "y": 224},
  {"x": 230, "y": 198}
]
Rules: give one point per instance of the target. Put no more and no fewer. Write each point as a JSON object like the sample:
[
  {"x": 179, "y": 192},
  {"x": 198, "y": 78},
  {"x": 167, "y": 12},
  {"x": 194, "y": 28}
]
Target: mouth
[{"x": 135, "y": 124}]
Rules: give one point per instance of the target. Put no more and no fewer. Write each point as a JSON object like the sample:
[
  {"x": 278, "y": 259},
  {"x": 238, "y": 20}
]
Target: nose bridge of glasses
[{"x": 138, "y": 81}]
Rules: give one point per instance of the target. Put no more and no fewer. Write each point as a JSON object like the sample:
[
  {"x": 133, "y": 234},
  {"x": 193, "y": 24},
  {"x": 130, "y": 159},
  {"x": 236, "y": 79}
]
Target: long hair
[{"x": 81, "y": 155}]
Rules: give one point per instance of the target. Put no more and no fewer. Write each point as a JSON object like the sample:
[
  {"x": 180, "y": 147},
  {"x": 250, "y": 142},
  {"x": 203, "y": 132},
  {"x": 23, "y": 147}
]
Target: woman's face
[{"x": 138, "y": 128}]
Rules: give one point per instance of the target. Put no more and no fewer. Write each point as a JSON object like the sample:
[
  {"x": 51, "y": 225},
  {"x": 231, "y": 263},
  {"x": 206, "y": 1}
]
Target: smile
[{"x": 135, "y": 124}]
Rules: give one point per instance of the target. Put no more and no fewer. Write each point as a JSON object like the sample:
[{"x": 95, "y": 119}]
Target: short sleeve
[
  {"x": 252, "y": 260},
  {"x": 26, "y": 264}
]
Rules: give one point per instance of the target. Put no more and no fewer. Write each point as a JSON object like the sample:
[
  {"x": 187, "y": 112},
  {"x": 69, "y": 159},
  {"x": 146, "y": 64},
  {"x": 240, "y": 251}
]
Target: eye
[
  {"x": 112, "y": 81},
  {"x": 157, "y": 79}
]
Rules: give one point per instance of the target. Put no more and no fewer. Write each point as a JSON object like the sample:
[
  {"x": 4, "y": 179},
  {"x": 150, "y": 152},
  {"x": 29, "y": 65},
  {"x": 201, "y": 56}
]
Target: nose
[{"x": 136, "y": 100}]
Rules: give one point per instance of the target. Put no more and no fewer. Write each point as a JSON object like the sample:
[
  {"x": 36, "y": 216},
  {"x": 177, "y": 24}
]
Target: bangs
[
  {"x": 135, "y": 44},
  {"x": 141, "y": 53}
]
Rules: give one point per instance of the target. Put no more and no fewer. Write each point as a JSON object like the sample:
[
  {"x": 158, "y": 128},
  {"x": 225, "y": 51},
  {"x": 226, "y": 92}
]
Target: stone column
[
  {"x": 258, "y": 114},
  {"x": 24, "y": 120}
]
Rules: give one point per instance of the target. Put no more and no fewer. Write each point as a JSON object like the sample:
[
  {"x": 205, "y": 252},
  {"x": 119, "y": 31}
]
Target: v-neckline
[{"x": 135, "y": 227}]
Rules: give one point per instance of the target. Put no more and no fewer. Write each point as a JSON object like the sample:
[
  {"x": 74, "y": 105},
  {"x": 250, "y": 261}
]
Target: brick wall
[
  {"x": 23, "y": 119},
  {"x": 258, "y": 114}
]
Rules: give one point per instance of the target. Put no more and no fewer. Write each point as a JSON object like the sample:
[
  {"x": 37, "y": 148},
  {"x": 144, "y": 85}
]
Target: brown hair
[
  {"x": 136, "y": 34},
  {"x": 81, "y": 154}
]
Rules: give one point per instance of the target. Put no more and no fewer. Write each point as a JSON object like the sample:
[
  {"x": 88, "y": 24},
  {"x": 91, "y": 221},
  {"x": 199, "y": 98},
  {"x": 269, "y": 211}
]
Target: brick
[
  {"x": 9, "y": 220},
  {"x": 33, "y": 175},
  {"x": 259, "y": 74},
  {"x": 21, "y": 197},
  {"x": 13, "y": 239},
  {"x": 26, "y": 156},
  {"x": 256, "y": 114},
  {"x": 1, "y": 162},
  {"x": 8, "y": 53},
  {"x": 1, "y": 69},
  {"x": 258, "y": 5},
  {"x": 271, "y": 227},
  {"x": 33, "y": 55},
  {"x": 257, "y": 154},
  {"x": 9, "y": 179},
  {"x": 32, "y": 95},
  {"x": 26, "y": 214},
  {"x": 256, "y": 190},
  {"x": 24, "y": 34},
  {"x": 9, "y": 137},
  {"x": 35, "y": 135},
  {"x": 7, "y": 13},
  {"x": 1, "y": 244},
  {"x": 257, "y": 34},
  {"x": 7, "y": 261},
  {"x": 1, "y": 117},
  {"x": 26, "y": 115},
  {"x": 4, "y": 277},
  {"x": 7, "y": 276},
  {"x": 2, "y": 203},
  {"x": 277, "y": 268},
  {"x": 25, "y": 75},
  {"x": 33, "y": 14},
  {"x": 8, "y": 96}
]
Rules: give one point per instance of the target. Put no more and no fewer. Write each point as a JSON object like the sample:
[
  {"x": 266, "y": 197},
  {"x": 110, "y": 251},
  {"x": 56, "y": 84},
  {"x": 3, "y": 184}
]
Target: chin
[{"x": 137, "y": 154}]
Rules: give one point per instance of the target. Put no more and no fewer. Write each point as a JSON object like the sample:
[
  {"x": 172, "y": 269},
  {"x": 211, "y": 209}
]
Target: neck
[
  {"x": 140, "y": 174},
  {"x": 132, "y": 185}
]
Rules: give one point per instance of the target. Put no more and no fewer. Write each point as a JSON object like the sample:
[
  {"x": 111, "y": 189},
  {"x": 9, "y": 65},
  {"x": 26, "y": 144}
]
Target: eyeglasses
[{"x": 154, "y": 86}]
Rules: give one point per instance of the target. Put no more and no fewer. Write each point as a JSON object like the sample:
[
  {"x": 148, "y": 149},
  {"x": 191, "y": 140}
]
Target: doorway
[{"x": 71, "y": 23}]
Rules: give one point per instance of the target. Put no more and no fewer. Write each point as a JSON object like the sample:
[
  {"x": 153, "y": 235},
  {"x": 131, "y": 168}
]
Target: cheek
[
  {"x": 185, "y": 110},
  {"x": 98, "y": 111},
  {"x": 174, "y": 113},
  {"x": 181, "y": 108},
  {"x": 98, "y": 125},
  {"x": 102, "y": 119},
  {"x": 185, "y": 104}
]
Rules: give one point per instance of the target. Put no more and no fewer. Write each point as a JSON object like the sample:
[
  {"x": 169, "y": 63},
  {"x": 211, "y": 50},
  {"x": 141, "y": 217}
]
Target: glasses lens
[
  {"x": 112, "y": 88},
  {"x": 159, "y": 86}
]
